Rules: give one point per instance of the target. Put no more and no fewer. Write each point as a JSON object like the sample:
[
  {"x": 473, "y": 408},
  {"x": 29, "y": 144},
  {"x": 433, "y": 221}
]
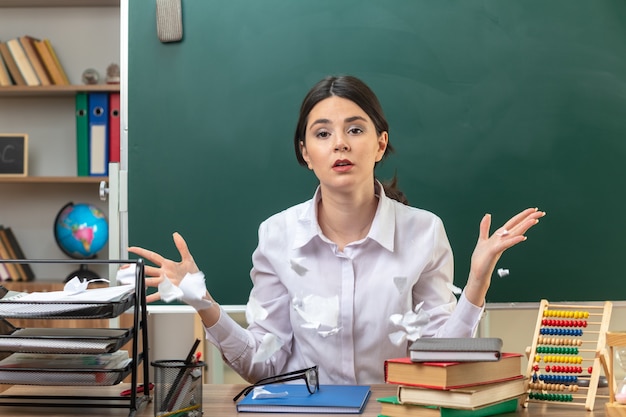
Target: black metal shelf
[{"x": 135, "y": 300}]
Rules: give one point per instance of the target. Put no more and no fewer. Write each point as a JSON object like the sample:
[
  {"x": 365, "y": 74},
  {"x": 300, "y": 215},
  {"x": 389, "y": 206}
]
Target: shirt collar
[{"x": 383, "y": 225}]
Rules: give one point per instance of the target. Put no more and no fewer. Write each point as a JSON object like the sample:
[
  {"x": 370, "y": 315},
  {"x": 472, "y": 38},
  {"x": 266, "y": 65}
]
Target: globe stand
[{"x": 83, "y": 274}]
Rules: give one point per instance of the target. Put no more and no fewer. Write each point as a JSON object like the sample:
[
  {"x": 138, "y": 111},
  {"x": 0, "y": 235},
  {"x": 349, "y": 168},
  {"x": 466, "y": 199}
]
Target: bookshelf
[
  {"x": 55, "y": 90},
  {"x": 85, "y": 34}
]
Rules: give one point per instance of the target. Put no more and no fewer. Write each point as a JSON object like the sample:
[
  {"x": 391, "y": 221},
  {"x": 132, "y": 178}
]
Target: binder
[
  {"x": 82, "y": 135},
  {"x": 114, "y": 127},
  {"x": 98, "y": 133}
]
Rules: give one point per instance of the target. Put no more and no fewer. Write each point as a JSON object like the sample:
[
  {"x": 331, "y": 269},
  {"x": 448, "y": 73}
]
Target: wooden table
[{"x": 217, "y": 402}]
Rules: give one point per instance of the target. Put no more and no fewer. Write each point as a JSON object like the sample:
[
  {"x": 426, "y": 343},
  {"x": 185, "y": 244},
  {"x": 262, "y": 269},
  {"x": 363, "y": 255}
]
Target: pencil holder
[{"x": 177, "y": 388}]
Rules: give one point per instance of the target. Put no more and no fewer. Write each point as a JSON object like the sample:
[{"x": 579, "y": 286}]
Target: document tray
[
  {"x": 64, "y": 340},
  {"x": 19, "y": 309},
  {"x": 75, "y": 376}
]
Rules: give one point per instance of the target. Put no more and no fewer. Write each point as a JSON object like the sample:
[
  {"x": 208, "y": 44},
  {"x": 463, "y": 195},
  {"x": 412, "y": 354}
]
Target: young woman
[{"x": 350, "y": 277}]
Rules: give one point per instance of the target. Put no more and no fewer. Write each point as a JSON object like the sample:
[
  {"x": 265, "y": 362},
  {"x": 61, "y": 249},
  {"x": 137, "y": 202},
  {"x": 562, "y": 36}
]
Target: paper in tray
[
  {"x": 64, "y": 340},
  {"x": 97, "y": 303}
]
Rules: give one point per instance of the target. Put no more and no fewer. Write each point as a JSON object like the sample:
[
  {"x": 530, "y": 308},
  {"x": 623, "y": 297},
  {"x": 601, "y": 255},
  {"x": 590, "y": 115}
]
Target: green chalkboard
[{"x": 494, "y": 106}]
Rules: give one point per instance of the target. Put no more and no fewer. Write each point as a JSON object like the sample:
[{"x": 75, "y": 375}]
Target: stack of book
[
  {"x": 11, "y": 249},
  {"x": 474, "y": 380},
  {"x": 29, "y": 61}
]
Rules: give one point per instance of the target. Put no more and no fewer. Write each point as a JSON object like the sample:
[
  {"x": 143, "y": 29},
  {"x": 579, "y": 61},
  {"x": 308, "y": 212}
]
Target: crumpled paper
[
  {"x": 75, "y": 285},
  {"x": 259, "y": 393},
  {"x": 411, "y": 324},
  {"x": 190, "y": 290}
]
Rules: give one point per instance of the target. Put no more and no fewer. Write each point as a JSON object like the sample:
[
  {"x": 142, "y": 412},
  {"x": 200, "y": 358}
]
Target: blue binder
[{"x": 98, "y": 134}]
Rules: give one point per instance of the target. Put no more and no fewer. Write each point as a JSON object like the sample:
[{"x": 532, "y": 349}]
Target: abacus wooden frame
[{"x": 600, "y": 358}]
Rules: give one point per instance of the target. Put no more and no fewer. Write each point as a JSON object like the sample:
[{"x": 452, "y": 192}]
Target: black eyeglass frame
[{"x": 289, "y": 376}]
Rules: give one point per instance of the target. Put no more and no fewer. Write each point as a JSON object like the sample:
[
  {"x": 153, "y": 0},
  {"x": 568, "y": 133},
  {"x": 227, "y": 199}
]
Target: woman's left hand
[{"x": 489, "y": 249}]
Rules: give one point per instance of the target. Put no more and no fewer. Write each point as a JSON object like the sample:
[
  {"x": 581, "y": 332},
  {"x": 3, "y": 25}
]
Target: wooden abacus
[
  {"x": 568, "y": 354},
  {"x": 613, "y": 408}
]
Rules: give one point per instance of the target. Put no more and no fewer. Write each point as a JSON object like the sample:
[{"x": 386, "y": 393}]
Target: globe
[{"x": 81, "y": 230}]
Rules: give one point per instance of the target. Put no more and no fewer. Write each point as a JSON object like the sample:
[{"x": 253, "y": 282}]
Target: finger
[
  {"x": 485, "y": 225},
  {"x": 523, "y": 221},
  {"x": 147, "y": 254},
  {"x": 153, "y": 297},
  {"x": 182, "y": 247},
  {"x": 518, "y": 218},
  {"x": 153, "y": 282},
  {"x": 151, "y": 271}
]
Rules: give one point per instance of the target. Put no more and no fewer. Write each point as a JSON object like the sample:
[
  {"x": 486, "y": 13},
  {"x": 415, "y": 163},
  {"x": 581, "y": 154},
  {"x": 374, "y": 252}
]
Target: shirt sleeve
[
  {"x": 233, "y": 341},
  {"x": 463, "y": 321},
  {"x": 261, "y": 349},
  {"x": 448, "y": 317}
]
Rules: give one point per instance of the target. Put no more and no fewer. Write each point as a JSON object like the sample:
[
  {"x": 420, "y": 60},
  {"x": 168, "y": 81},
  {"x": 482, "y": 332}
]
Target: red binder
[{"x": 114, "y": 127}]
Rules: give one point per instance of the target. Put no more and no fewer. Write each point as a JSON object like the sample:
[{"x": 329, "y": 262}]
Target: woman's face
[{"x": 341, "y": 144}]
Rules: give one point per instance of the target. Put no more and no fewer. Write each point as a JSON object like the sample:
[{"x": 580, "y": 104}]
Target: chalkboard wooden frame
[{"x": 12, "y": 165}]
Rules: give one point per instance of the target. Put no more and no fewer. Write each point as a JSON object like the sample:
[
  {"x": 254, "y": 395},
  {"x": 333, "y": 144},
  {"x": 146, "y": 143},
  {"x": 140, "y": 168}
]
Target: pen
[
  {"x": 179, "y": 377},
  {"x": 127, "y": 392},
  {"x": 181, "y": 411},
  {"x": 191, "y": 353}
]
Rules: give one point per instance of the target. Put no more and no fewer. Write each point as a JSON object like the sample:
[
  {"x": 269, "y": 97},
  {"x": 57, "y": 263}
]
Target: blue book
[{"x": 335, "y": 399}]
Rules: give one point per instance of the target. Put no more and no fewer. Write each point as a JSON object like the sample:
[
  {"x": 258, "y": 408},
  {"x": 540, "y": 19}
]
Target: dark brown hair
[{"x": 355, "y": 90}]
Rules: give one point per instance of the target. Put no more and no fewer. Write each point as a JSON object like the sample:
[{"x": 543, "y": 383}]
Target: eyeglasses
[{"x": 310, "y": 376}]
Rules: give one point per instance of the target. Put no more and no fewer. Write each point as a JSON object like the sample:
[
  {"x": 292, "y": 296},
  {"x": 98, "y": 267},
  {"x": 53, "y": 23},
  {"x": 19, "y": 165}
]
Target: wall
[{"x": 83, "y": 38}]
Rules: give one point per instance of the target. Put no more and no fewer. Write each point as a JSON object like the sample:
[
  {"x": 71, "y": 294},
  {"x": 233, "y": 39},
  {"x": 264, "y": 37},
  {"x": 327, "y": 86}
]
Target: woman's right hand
[{"x": 174, "y": 271}]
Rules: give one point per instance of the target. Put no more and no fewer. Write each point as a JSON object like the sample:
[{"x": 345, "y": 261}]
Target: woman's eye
[
  {"x": 355, "y": 130},
  {"x": 323, "y": 134}
]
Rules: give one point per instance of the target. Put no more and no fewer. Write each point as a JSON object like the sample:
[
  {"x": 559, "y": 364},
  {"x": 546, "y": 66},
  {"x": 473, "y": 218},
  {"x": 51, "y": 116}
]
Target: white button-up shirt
[{"x": 312, "y": 304}]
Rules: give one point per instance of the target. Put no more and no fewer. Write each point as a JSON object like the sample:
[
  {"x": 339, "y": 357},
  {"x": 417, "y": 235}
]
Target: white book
[{"x": 23, "y": 63}]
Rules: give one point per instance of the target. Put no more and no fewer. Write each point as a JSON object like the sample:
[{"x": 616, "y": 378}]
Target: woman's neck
[{"x": 346, "y": 218}]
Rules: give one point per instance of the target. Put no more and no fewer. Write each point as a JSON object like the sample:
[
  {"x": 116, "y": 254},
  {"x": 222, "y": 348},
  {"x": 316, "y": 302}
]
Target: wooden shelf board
[
  {"x": 53, "y": 180},
  {"x": 55, "y": 90},
  {"x": 59, "y": 3}
]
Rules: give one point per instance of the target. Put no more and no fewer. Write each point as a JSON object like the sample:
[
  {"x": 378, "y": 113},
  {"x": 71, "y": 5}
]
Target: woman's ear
[
  {"x": 383, "y": 140},
  {"x": 305, "y": 155}
]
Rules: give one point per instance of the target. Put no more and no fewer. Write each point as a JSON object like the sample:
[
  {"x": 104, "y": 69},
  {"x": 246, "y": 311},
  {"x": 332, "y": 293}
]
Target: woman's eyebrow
[
  {"x": 355, "y": 118},
  {"x": 346, "y": 120},
  {"x": 320, "y": 122}
]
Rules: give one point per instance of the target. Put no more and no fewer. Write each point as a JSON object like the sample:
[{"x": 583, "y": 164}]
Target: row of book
[
  {"x": 97, "y": 132},
  {"x": 11, "y": 249},
  {"x": 463, "y": 388},
  {"x": 29, "y": 61}
]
